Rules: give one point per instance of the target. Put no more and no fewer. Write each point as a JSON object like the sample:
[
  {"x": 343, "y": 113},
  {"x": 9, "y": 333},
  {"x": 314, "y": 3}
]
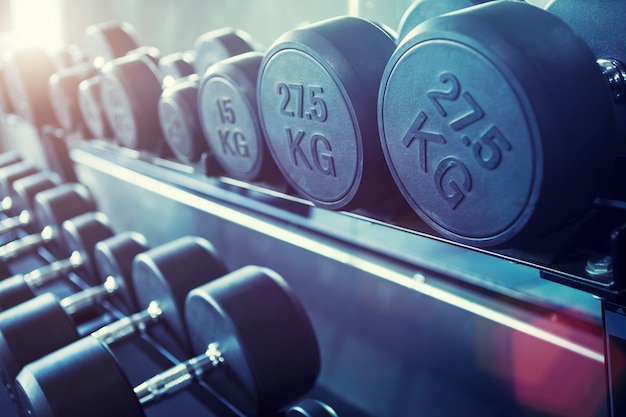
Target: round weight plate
[
  {"x": 81, "y": 234},
  {"x": 81, "y": 379},
  {"x": 24, "y": 189},
  {"x": 90, "y": 104},
  {"x": 175, "y": 66},
  {"x": 26, "y": 74},
  {"x": 52, "y": 207},
  {"x": 108, "y": 40},
  {"x": 64, "y": 94},
  {"x": 422, "y": 10},
  {"x": 12, "y": 173},
  {"x": 114, "y": 258},
  {"x": 180, "y": 123},
  {"x": 229, "y": 116},
  {"x": 14, "y": 291},
  {"x": 29, "y": 331},
  {"x": 130, "y": 93},
  {"x": 216, "y": 45},
  {"x": 9, "y": 158},
  {"x": 166, "y": 274},
  {"x": 316, "y": 93},
  {"x": 269, "y": 347},
  {"x": 485, "y": 144}
]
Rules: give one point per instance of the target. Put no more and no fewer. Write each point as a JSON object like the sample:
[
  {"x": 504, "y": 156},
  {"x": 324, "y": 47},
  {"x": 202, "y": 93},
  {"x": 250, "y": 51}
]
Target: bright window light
[{"x": 37, "y": 23}]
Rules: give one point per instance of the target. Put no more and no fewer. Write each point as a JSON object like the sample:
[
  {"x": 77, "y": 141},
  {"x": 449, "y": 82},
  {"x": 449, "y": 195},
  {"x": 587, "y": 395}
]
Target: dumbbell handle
[
  {"x": 11, "y": 224},
  {"x": 87, "y": 298},
  {"x": 128, "y": 325},
  {"x": 6, "y": 204},
  {"x": 54, "y": 270},
  {"x": 26, "y": 244},
  {"x": 179, "y": 376}
]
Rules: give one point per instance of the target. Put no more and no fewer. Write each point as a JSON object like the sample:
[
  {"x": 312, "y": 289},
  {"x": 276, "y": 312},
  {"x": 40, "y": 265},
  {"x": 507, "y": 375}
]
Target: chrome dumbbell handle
[
  {"x": 128, "y": 325},
  {"x": 26, "y": 244},
  {"x": 179, "y": 376},
  {"x": 54, "y": 270}
]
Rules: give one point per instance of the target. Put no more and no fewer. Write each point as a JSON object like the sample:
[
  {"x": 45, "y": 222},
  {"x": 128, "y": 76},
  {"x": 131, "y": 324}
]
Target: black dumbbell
[
  {"x": 178, "y": 104},
  {"x": 8, "y": 175},
  {"x": 495, "y": 151},
  {"x": 9, "y": 158},
  {"x": 50, "y": 209},
  {"x": 255, "y": 345},
  {"x": 43, "y": 324},
  {"x": 102, "y": 43},
  {"x": 228, "y": 110},
  {"x": 422, "y": 10},
  {"x": 164, "y": 275},
  {"x": 26, "y": 73},
  {"x": 80, "y": 234},
  {"x": 19, "y": 201},
  {"x": 317, "y": 93}
]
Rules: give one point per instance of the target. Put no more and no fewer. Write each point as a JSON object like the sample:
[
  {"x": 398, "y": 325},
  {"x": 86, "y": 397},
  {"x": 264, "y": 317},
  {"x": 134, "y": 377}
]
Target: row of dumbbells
[
  {"x": 245, "y": 332},
  {"x": 461, "y": 112}
]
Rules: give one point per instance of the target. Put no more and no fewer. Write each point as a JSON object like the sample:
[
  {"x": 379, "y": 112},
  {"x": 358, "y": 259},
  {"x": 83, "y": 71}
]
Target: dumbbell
[
  {"x": 50, "y": 209},
  {"x": 80, "y": 234},
  {"x": 46, "y": 323},
  {"x": 102, "y": 43},
  {"x": 494, "y": 150},
  {"x": 178, "y": 103},
  {"x": 161, "y": 278},
  {"x": 421, "y": 10},
  {"x": 19, "y": 201},
  {"x": 255, "y": 344},
  {"x": 8, "y": 175},
  {"x": 227, "y": 105},
  {"x": 317, "y": 91},
  {"x": 26, "y": 74}
]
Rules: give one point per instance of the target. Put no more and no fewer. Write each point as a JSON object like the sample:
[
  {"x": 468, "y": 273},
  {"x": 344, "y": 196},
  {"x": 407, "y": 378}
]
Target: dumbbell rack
[
  {"x": 382, "y": 298},
  {"x": 405, "y": 321}
]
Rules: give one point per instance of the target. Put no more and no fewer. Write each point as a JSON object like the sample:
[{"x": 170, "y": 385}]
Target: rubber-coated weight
[
  {"x": 52, "y": 207},
  {"x": 227, "y": 104},
  {"x": 91, "y": 110},
  {"x": 130, "y": 92},
  {"x": 213, "y": 46},
  {"x": 422, "y": 10},
  {"x": 495, "y": 150},
  {"x": 81, "y": 234},
  {"x": 317, "y": 91},
  {"x": 25, "y": 328},
  {"x": 12, "y": 173},
  {"x": 110, "y": 394},
  {"x": 25, "y": 189},
  {"x": 64, "y": 94},
  {"x": 108, "y": 40},
  {"x": 165, "y": 274},
  {"x": 180, "y": 123},
  {"x": 26, "y": 74},
  {"x": 265, "y": 337},
  {"x": 175, "y": 66},
  {"x": 114, "y": 257}
]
